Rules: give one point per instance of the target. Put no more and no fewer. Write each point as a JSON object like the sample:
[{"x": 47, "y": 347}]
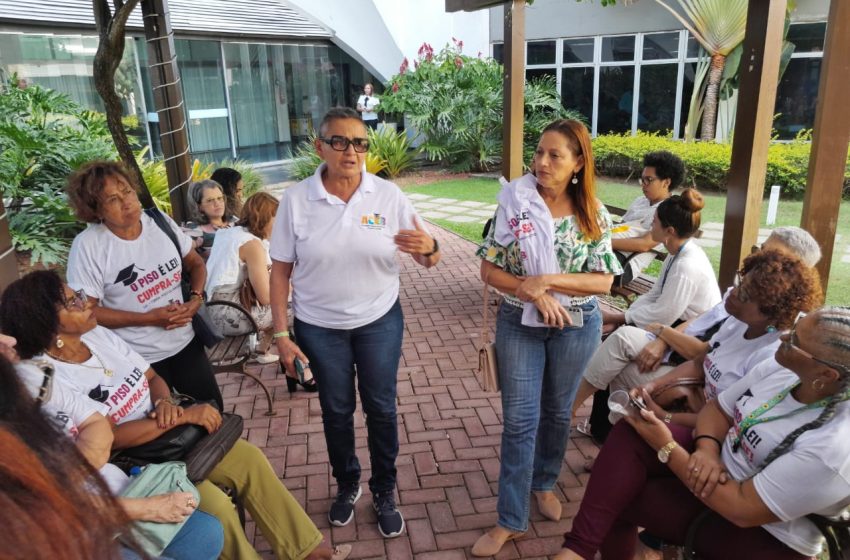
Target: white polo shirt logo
[{"x": 373, "y": 221}]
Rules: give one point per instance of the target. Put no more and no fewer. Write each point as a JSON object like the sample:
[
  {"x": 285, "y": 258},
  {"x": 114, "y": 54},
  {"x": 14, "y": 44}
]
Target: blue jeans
[
  {"x": 200, "y": 538},
  {"x": 539, "y": 371},
  {"x": 370, "y": 353}
]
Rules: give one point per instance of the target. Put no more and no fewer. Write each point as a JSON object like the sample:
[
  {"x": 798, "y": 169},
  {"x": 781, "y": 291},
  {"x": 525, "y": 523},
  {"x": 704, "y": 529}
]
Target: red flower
[
  {"x": 404, "y": 66},
  {"x": 458, "y": 62},
  {"x": 395, "y": 87}
]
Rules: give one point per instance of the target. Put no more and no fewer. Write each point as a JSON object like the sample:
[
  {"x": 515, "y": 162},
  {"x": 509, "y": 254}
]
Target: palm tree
[{"x": 718, "y": 25}]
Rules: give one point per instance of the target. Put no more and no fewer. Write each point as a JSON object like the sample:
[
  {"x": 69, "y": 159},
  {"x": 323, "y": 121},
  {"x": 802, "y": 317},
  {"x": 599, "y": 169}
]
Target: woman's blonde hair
[{"x": 257, "y": 212}]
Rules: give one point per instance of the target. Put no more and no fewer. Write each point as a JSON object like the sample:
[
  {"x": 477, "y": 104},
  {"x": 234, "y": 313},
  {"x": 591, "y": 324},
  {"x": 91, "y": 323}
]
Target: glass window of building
[
  {"x": 618, "y": 49},
  {"x": 577, "y": 90},
  {"x": 796, "y": 97},
  {"x": 616, "y": 95},
  {"x": 661, "y": 46},
  {"x": 578, "y": 50},
  {"x": 807, "y": 37},
  {"x": 499, "y": 52},
  {"x": 657, "y": 102},
  {"x": 202, "y": 76},
  {"x": 689, "y": 69},
  {"x": 694, "y": 48},
  {"x": 540, "y": 52},
  {"x": 537, "y": 73}
]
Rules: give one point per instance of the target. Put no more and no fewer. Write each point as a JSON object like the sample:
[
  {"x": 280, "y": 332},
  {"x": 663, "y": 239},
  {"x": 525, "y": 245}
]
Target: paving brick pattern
[{"x": 449, "y": 432}]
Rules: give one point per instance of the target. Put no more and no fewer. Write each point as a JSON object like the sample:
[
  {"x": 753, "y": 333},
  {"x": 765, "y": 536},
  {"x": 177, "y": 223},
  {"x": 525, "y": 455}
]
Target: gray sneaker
[{"x": 342, "y": 510}]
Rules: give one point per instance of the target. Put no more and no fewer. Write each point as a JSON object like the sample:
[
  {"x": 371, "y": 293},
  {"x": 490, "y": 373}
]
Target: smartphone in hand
[{"x": 299, "y": 369}]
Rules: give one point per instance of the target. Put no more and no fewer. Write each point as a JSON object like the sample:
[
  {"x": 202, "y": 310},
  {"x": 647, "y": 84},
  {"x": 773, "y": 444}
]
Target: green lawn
[{"x": 620, "y": 194}]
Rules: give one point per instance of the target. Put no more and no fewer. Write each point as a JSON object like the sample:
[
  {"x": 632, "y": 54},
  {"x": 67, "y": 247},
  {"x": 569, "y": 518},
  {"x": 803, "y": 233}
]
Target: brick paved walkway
[{"x": 449, "y": 431}]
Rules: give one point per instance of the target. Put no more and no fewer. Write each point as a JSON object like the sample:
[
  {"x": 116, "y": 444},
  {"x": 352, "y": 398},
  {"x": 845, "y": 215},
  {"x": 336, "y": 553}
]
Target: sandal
[{"x": 341, "y": 552}]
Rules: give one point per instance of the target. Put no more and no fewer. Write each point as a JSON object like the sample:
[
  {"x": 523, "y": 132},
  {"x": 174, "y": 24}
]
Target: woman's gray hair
[
  {"x": 196, "y": 195},
  {"x": 800, "y": 242}
]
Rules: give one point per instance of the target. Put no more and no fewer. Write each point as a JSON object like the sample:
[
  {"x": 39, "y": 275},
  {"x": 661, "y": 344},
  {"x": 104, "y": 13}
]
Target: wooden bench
[{"x": 232, "y": 353}]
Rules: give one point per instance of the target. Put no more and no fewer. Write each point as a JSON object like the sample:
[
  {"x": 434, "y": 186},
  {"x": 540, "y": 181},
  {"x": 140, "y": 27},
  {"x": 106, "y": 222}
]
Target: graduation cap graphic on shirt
[{"x": 128, "y": 275}]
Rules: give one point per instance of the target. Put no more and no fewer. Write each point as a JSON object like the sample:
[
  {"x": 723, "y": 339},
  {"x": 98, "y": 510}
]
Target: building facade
[
  {"x": 630, "y": 68},
  {"x": 257, "y": 76}
]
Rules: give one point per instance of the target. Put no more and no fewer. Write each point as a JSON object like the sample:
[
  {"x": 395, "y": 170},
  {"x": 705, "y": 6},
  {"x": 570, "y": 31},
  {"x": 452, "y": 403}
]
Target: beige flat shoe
[
  {"x": 341, "y": 552},
  {"x": 549, "y": 505},
  {"x": 490, "y": 545}
]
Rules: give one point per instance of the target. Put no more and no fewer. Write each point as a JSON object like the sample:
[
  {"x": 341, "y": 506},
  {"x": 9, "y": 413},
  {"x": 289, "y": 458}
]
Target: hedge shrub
[{"x": 707, "y": 164}]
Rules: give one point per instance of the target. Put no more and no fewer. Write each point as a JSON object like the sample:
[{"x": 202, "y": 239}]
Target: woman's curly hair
[
  {"x": 86, "y": 183},
  {"x": 781, "y": 286},
  {"x": 29, "y": 312}
]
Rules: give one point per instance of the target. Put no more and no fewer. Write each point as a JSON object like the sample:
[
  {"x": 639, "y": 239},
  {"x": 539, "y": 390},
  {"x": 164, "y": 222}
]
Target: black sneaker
[
  {"x": 390, "y": 521},
  {"x": 342, "y": 510}
]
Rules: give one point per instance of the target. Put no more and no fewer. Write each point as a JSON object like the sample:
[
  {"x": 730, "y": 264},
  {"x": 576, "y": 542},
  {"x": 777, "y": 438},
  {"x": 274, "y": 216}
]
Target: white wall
[{"x": 413, "y": 22}]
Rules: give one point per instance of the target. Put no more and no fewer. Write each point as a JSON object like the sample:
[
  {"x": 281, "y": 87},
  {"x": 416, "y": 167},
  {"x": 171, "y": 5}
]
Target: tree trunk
[
  {"x": 712, "y": 97},
  {"x": 110, "y": 51}
]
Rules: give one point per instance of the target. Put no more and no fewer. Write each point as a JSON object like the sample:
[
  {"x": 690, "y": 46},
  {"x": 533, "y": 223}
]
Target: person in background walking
[{"x": 367, "y": 107}]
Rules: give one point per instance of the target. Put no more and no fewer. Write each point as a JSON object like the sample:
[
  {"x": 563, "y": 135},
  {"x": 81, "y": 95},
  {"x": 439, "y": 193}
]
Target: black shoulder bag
[{"x": 205, "y": 328}]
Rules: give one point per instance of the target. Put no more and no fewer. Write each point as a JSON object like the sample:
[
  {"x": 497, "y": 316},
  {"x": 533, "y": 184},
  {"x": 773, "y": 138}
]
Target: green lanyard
[{"x": 754, "y": 417}]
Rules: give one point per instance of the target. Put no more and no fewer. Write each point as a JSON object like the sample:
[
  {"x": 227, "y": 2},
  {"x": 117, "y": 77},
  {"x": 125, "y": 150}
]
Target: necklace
[{"x": 108, "y": 372}]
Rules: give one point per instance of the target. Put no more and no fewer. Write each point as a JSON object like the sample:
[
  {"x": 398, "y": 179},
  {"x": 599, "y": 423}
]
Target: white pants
[{"x": 612, "y": 366}]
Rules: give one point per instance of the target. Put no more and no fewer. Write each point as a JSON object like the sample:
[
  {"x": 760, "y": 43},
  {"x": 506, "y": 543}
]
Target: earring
[
  {"x": 59, "y": 342},
  {"x": 818, "y": 385},
  {"x": 574, "y": 180},
  {"x": 771, "y": 329}
]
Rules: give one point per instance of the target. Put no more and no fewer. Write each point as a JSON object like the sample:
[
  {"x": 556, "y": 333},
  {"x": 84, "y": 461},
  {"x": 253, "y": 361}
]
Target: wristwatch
[
  {"x": 434, "y": 249},
  {"x": 664, "y": 452},
  {"x": 201, "y": 294}
]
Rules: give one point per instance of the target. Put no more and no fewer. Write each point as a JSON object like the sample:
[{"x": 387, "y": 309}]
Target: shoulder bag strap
[
  {"x": 158, "y": 218},
  {"x": 485, "y": 323}
]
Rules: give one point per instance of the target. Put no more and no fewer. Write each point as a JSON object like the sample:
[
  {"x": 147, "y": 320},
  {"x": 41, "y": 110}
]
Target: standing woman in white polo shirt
[
  {"x": 367, "y": 106},
  {"x": 335, "y": 239}
]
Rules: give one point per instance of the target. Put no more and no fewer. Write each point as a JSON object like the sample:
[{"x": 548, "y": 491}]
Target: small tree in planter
[{"x": 455, "y": 101}]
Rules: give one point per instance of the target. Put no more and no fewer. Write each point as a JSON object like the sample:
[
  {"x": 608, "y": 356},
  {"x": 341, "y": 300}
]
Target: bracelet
[
  {"x": 280, "y": 334},
  {"x": 160, "y": 400},
  {"x": 201, "y": 295},
  {"x": 712, "y": 438}
]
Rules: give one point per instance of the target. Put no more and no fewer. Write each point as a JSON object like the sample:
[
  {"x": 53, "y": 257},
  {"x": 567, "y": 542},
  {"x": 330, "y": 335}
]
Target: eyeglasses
[
  {"x": 78, "y": 300},
  {"x": 341, "y": 143},
  {"x": 790, "y": 342},
  {"x": 644, "y": 180},
  {"x": 213, "y": 200}
]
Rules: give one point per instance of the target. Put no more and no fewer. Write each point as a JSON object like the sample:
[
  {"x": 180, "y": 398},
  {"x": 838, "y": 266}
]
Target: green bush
[
  {"x": 394, "y": 149},
  {"x": 707, "y": 163},
  {"x": 44, "y": 136},
  {"x": 306, "y": 160},
  {"x": 455, "y": 102}
]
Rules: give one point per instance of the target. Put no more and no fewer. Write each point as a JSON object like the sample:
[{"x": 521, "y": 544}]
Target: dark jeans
[
  {"x": 371, "y": 354},
  {"x": 373, "y": 124},
  {"x": 189, "y": 371},
  {"x": 629, "y": 487}
]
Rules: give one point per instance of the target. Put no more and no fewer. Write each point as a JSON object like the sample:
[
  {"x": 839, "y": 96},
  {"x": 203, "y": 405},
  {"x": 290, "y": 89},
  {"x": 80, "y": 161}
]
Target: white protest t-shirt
[
  {"x": 636, "y": 222},
  {"x": 125, "y": 392},
  {"x": 699, "y": 325},
  {"x": 68, "y": 410},
  {"x": 370, "y": 104},
  {"x": 346, "y": 271},
  {"x": 732, "y": 355},
  {"x": 134, "y": 275},
  {"x": 813, "y": 476}
]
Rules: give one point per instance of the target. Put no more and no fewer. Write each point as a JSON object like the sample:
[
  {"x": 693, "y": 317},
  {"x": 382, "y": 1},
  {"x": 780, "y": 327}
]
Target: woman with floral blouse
[{"x": 549, "y": 252}]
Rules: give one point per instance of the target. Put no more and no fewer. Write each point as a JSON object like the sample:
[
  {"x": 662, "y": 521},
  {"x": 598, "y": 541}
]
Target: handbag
[
  {"x": 205, "y": 329},
  {"x": 192, "y": 444},
  {"x": 247, "y": 296},
  {"x": 836, "y": 532},
  {"x": 488, "y": 371},
  {"x": 155, "y": 480}
]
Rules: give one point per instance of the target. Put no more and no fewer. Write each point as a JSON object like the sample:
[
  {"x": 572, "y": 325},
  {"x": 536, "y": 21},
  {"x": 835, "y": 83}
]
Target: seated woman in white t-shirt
[
  {"x": 53, "y": 323},
  {"x": 770, "y": 292},
  {"x": 769, "y": 451},
  {"x": 685, "y": 289},
  {"x": 662, "y": 172}
]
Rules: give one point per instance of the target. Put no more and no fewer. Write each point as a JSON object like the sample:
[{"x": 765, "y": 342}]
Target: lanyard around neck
[
  {"x": 672, "y": 262},
  {"x": 755, "y": 418}
]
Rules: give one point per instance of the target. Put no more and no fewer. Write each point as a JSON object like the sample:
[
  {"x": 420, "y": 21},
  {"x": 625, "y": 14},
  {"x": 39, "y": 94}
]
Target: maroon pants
[{"x": 630, "y": 488}]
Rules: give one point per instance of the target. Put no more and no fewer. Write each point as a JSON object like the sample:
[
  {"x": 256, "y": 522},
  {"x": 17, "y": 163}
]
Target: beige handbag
[{"x": 488, "y": 372}]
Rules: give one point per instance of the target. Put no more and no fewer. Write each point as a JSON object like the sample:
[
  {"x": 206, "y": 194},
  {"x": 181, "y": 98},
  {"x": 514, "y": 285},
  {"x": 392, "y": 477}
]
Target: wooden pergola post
[
  {"x": 831, "y": 138},
  {"x": 168, "y": 99},
  {"x": 8, "y": 258},
  {"x": 512, "y": 90},
  {"x": 756, "y": 102}
]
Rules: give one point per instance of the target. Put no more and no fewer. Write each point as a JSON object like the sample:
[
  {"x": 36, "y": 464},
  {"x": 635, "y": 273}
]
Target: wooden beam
[
  {"x": 168, "y": 100},
  {"x": 831, "y": 138},
  {"x": 512, "y": 90},
  {"x": 754, "y": 121}
]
